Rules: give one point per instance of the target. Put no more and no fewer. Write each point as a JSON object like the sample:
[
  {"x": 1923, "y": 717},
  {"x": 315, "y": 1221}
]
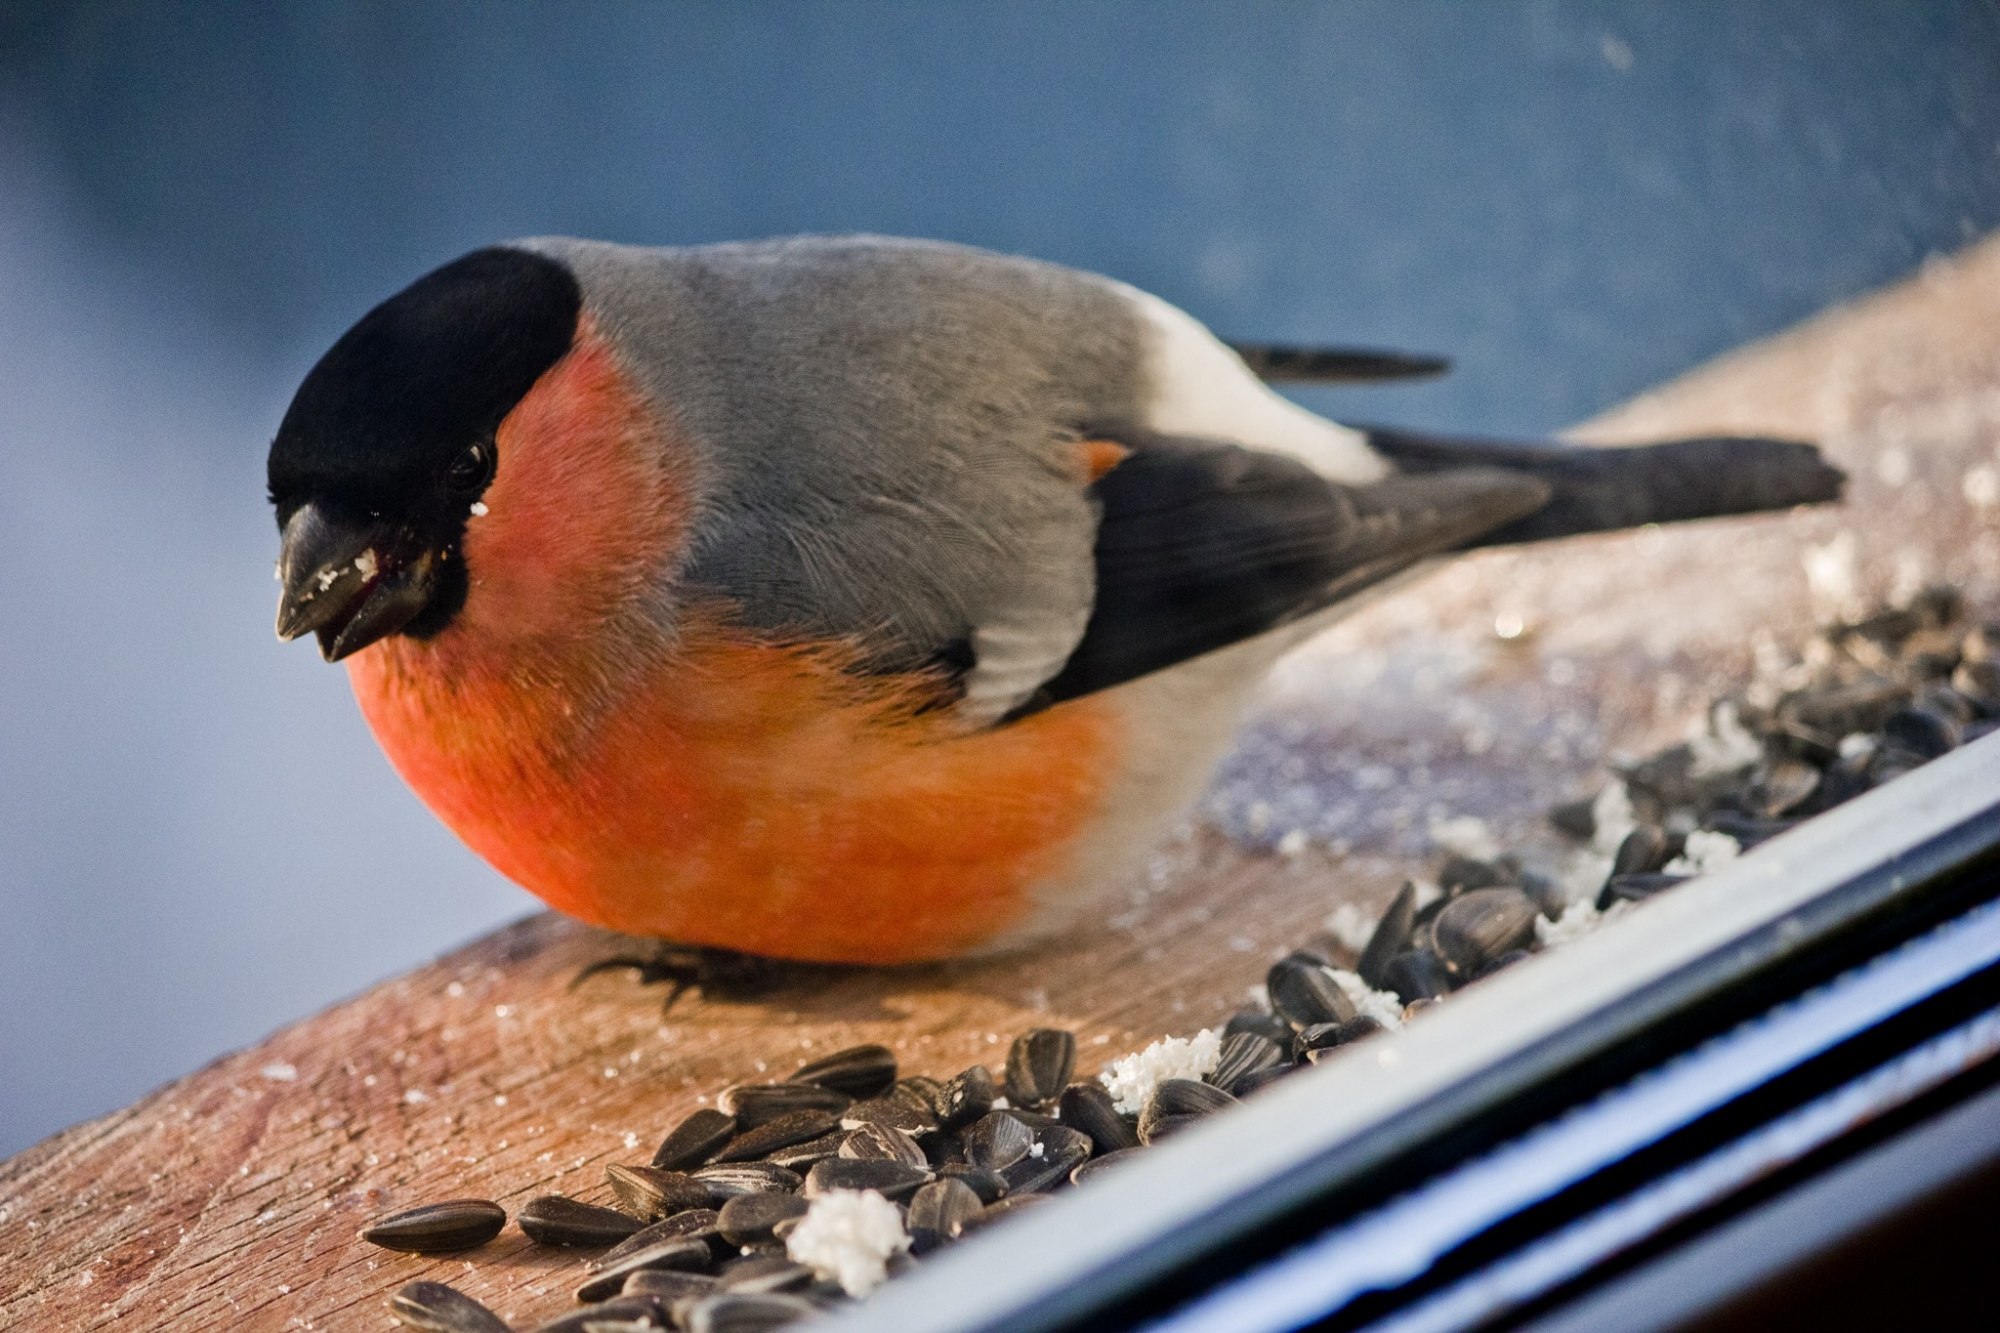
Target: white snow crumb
[
  {"x": 1705, "y": 852},
  {"x": 1001, "y": 1103},
  {"x": 631, "y": 1140},
  {"x": 1351, "y": 926},
  {"x": 1132, "y": 1079},
  {"x": 479, "y": 509},
  {"x": 280, "y": 1073},
  {"x": 1293, "y": 843},
  {"x": 1465, "y": 835},
  {"x": 1892, "y": 466},
  {"x": 416, "y": 1097},
  {"x": 364, "y": 564},
  {"x": 1611, "y": 818},
  {"x": 455, "y": 989},
  {"x": 1258, "y": 995},
  {"x": 1857, "y": 745},
  {"x": 1583, "y": 874},
  {"x": 1035, "y": 1151},
  {"x": 1427, "y": 893},
  {"x": 1981, "y": 485},
  {"x": 1725, "y": 745},
  {"x": 1833, "y": 574},
  {"x": 849, "y": 1236},
  {"x": 1379, "y": 1005},
  {"x": 1578, "y": 919}
]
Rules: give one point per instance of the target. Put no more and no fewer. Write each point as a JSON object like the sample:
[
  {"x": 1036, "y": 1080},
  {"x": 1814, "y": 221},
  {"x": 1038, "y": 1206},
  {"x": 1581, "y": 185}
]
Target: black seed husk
[
  {"x": 1303, "y": 991},
  {"x": 650, "y": 1194},
  {"x": 965, "y": 1097},
  {"x": 434, "y": 1307},
  {"x": 1005, "y": 1208},
  {"x": 892, "y": 1180},
  {"x": 754, "y": 1104},
  {"x": 763, "y": 1273},
  {"x": 986, "y": 1183},
  {"x": 1635, "y": 888},
  {"x": 786, "y": 1131},
  {"x": 939, "y": 1211},
  {"x": 747, "y": 1312},
  {"x": 1176, "y": 1103},
  {"x": 695, "y": 1224},
  {"x": 1039, "y": 1065},
  {"x": 1266, "y": 1025},
  {"x": 858, "y": 1071},
  {"x": 1062, "y": 1151},
  {"x": 997, "y": 1140},
  {"x": 553, "y": 1219},
  {"x": 1479, "y": 926},
  {"x": 894, "y": 1112},
  {"x": 726, "y": 1180},
  {"x": 879, "y": 1142},
  {"x": 1417, "y": 975},
  {"x": 686, "y": 1254},
  {"x": 749, "y": 1219},
  {"x": 1088, "y": 1107},
  {"x": 664, "y": 1284},
  {"x": 1258, "y": 1079},
  {"x": 1391, "y": 937},
  {"x": 1643, "y": 851},
  {"x": 1242, "y": 1053},
  {"x": 800, "y": 1156},
  {"x": 695, "y": 1140},
  {"x": 614, "y": 1312},
  {"x": 435, "y": 1228}
]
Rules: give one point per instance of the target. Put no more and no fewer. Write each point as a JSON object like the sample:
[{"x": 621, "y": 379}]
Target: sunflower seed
[
  {"x": 1463, "y": 872},
  {"x": 892, "y": 1180},
  {"x": 987, "y": 1184},
  {"x": 1643, "y": 851},
  {"x": 746, "y": 1312},
  {"x": 1176, "y": 1103},
  {"x": 1980, "y": 682},
  {"x": 726, "y": 1180},
  {"x": 879, "y": 1142},
  {"x": 695, "y": 1224},
  {"x": 965, "y": 1097},
  {"x": 666, "y": 1285},
  {"x": 684, "y": 1254},
  {"x": 858, "y": 1071},
  {"x": 1784, "y": 785},
  {"x": 1576, "y": 818},
  {"x": 893, "y": 1112},
  {"x": 1258, "y": 1079},
  {"x": 749, "y": 1219},
  {"x": 1418, "y": 974},
  {"x": 1088, "y": 1107},
  {"x": 800, "y": 1156},
  {"x": 1391, "y": 937},
  {"x": 650, "y": 1194},
  {"x": 942, "y": 1150},
  {"x": 1057, "y": 1151},
  {"x": 1242, "y": 1053},
  {"x": 433, "y": 1307},
  {"x": 456, "y": 1224},
  {"x": 1505, "y": 960},
  {"x": 1005, "y": 1208},
  {"x": 555, "y": 1220},
  {"x": 919, "y": 1093},
  {"x": 786, "y": 1131},
  {"x": 1482, "y": 925},
  {"x": 1268, "y": 1026},
  {"x": 1039, "y": 1065},
  {"x": 1303, "y": 991},
  {"x": 1922, "y": 731},
  {"x": 997, "y": 1140},
  {"x": 1088, "y": 1169},
  {"x": 763, "y": 1273},
  {"x": 1635, "y": 888},
  {"x": 1318, "y": 1037},
  {"x": 755, "y": 1104},
  {"x": 939, "y": 1211},
  {"x": 695, "y": 1140},
  {"x": 616, "y": 1312}
]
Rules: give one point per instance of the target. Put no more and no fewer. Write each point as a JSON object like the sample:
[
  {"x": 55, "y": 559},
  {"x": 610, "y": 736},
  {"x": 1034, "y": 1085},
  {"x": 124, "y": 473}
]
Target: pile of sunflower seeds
[{"x": 791, "y": 1198}]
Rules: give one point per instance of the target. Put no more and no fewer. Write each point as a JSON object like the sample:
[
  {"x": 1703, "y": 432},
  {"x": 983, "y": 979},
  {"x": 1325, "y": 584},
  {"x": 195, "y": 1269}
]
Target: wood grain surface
[{"x": 230, "y": 1199}]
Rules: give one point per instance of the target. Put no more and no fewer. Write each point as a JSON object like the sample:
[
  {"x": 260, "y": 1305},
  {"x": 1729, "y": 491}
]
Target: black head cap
[
  {"x": 378, "y": 423},
  {"x": 390, "y": 439}
]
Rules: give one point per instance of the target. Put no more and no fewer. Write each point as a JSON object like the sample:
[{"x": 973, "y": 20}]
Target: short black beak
[{"x": 349, "y": 583}]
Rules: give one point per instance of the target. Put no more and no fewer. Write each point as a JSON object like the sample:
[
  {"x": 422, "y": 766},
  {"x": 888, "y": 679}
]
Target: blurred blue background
[{"x": 198, "y": 840}]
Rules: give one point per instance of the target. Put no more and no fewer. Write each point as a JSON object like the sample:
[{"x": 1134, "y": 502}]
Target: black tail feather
[
  {"x": 1603, "y": 489},
  {"x": 1334, "y": 365}
]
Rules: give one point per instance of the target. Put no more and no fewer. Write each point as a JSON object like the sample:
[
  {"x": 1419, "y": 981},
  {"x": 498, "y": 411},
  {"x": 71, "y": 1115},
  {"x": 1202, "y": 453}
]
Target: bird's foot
[{"x": 720, "y": 974}]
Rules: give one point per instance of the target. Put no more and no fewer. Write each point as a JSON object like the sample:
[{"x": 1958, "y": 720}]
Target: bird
[{"x": 855, "y": 599}]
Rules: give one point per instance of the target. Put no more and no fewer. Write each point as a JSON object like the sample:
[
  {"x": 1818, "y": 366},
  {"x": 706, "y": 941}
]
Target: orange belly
[{"x": 744, "y": 796}]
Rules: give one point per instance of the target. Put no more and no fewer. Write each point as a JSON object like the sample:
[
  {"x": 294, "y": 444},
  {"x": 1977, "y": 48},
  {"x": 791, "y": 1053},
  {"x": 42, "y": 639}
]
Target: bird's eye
[{"x": 471, "y": 470}]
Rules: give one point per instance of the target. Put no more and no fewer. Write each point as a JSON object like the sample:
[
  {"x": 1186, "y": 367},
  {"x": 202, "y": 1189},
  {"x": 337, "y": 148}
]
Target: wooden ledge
[{"x": 230, "y": 1199}]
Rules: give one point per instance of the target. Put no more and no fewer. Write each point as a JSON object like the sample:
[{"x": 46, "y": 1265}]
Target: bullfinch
[{"x": 858, "y": 599}]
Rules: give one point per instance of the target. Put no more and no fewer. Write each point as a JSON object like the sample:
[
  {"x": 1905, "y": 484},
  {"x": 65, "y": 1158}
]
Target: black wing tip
[{"x": 1335, "y": 365}]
